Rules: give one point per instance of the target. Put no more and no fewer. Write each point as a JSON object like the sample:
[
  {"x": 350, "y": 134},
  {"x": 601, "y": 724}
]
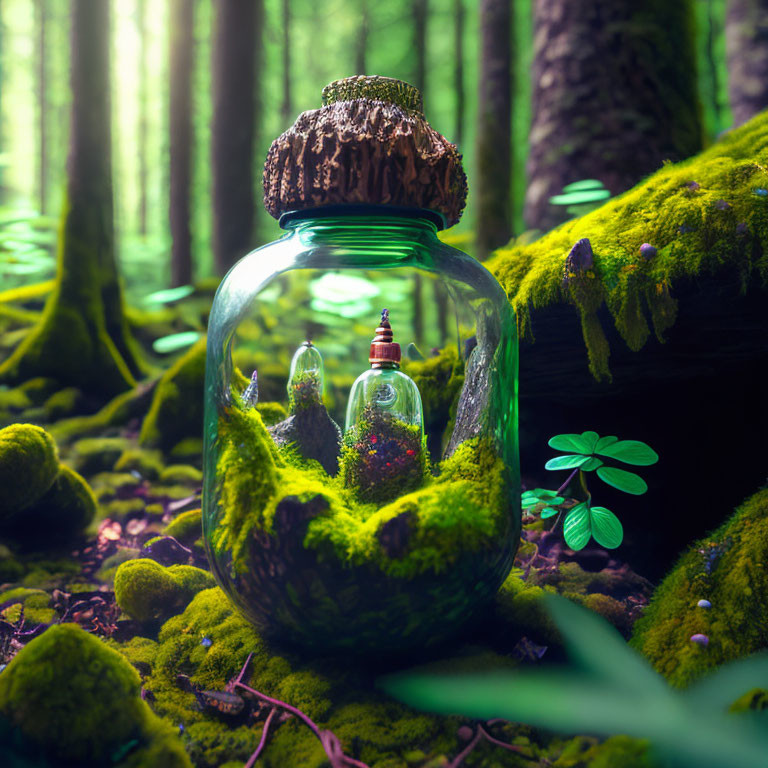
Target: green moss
[
  {"x": 63, "y": 403},
  {"x": 98, "y": 454},
  {"x": 29, "y": 464},
  {"x": 78, "y": 700},
  {"x": 382, "y": 457},
  {"x": 176, "y": 411},
  {"x": 693, "y": 234},
  {"x": 727, "y": 569},
  {"x": 34, "y": 601},
  {"x": 439, "y": 379},
  {"x": 147, "y": 463},
  {"x": 188, "y": 449},
  {"x": 271, "y": 413},
  {"x": 182, "y": 474},
  {"x": 147, "y": 591},
  {"x": 186, "y": 527},
  {"x": 615, "y": 752},
  {"x": 117, "y": 509},
  {"x": 64, "y": 511},
  {"x": 109, "y": 567}
]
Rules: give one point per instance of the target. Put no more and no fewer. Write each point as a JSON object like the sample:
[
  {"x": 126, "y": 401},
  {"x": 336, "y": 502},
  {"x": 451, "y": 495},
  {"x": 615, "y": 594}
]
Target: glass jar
[{"x": 337, "y": 520}]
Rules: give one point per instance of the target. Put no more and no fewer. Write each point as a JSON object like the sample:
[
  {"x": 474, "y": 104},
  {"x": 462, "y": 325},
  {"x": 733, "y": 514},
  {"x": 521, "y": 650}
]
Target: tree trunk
[
  {"x": 420, "y": 10},
  {"x": 614, "y": 96},
  {"x": 181, "y": 138},
  {"x": 286, "y": 107},
  {"x": 82, "y": 339},
  {"x": 234, "y": 86},
  {"x": 493, "y": 185},
  {"x": 746, "y": 33},
  {"x": 361, "y": 46},
  {"x": 41, "y": 21},
  {"x": 143, "y": 126},
  {"x": 458, "y": 70}
]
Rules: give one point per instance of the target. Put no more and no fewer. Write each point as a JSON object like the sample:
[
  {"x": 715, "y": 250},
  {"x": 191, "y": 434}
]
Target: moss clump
[
  {"x": 29, "y": 463},
  {"x": 188, "y": 449},
  {"x": 186, "y": 527},
  {"x": 65, "y": 510},
  {"x": 181, "y": 474},
  {"x": 726, "y": 569},
  {"x": 77, "y": 700},
  {"x": 147, "y": 591},
  {"x": 271, "y": 413},
  {"x": 382, "y": 457},
  {"x": 147, "y": 463},
  {"x": 693, "y": 232},
  {"x": 176, "y": 411}
]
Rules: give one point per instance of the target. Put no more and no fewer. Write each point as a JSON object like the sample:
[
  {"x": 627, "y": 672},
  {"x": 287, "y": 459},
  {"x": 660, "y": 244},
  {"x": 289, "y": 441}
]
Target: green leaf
[
  {"x": 603, "y": 442},
  {"x": 572, "y": 443},
  {"x": 543, "y": 493},
  {"x": 567, "y": 462},
  {"x": 548, "y": 512},
  {"x": 576, "y": 528},
  {"x": 630, "y": 452},
  {"x": 580, "y": 186},
  {"x": 606, "y": 528},
  {"x": 625, "y": 481},
  {"x": 591, "y": 439},
  {"x": 593, "y": 463},
  {"x": 175, "y": 341}
]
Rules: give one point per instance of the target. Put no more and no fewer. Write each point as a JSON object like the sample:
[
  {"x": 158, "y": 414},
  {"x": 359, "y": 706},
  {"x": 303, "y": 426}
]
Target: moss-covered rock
[
  {"x": 181, "y": 474},
  {"x": 726, "y": 569},
  {"x": 186, "y": 527},
  {"x": 148, "y": 591},
  {"x": 703, "y": 216},
  {"x": 29, "y": 464},
  {"x": 65, "y": 510},
  {"x": 77, "y": 701},
  {"x": 147, "y": 463},
  {"x": 176, "y": 411}
]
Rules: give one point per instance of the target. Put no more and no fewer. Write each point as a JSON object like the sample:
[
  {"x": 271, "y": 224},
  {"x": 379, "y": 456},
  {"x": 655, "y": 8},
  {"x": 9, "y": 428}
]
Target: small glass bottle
[
  {"x": 384, "y": 441},
  {"x": 312, "y": 551}
]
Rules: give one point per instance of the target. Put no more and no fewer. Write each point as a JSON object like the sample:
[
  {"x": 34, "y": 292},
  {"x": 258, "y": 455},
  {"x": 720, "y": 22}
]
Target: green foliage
[
  {"x": 176, "y": 411},
  {"x": 725, "y": 568},
  {"x": 29, "y": 463},
  {"x": 148, "y": 463},
  {"x": 582, "y": 520},
  {"x": 608, "y": 690},
  {"x": 77, "y": 700},
  {"x": 147, "y": 591},
  {"x": 693, "y": 237}
]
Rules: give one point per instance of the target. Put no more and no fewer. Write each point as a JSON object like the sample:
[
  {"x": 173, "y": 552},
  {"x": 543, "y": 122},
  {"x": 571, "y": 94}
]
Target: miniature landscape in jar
[{"x": 420, "y": 444}]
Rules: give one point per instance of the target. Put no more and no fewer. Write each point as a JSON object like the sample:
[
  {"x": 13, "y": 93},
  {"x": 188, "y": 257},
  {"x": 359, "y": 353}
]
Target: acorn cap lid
[{"x": 369, "y": 144}]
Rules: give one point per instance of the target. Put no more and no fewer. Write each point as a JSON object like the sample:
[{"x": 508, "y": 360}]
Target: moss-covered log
[
  {"x": 614, "y": 95},
  {"x": 82, "y": 339},
  {"x": 700, "y": 284}
]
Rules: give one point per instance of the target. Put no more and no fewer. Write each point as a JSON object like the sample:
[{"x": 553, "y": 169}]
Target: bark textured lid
[{"x": 368, "y": 144}]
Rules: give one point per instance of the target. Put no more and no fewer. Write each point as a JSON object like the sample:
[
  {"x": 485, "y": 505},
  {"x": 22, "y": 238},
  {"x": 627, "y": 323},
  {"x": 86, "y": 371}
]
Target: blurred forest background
[{"x": 188, "y": 76}]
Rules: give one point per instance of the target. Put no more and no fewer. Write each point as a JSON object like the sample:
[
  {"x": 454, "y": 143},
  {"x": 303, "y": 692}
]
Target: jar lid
[{"x": 369, "y": 144}]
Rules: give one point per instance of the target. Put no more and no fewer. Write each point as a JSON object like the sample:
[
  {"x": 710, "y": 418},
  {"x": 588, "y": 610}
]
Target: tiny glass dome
[{"x": 305, "y": 380}]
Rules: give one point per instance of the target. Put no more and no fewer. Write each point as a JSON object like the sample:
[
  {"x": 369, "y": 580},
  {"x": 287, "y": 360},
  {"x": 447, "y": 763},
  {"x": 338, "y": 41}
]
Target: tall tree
[
  {"x": 746, "y": 34},
  {"x": 182, "y": 24},
  {"x": 614, "y": 95},
  {"x": 41, "y": 85},
  {"x": 286, "y": 106},
  {"x": 458, "y": 70},
  {"x": 493, "y": 185},
  {"x": 361, "y": 42},
  {"x": 82, "y": 338},
  {"x": 237, "y": 35},
  {"x": 143, "y": 116},
  {"x": 420, "y": 12}
]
